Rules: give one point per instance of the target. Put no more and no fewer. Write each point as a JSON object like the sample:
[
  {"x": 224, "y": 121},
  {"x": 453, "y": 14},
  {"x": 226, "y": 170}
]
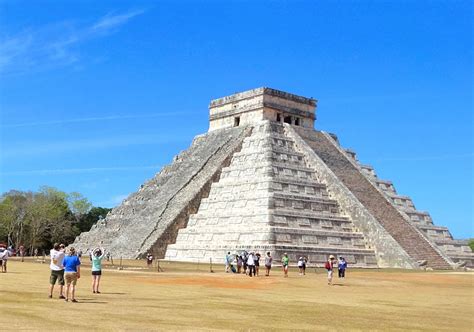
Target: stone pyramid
[{"x": 263, "y": 179}]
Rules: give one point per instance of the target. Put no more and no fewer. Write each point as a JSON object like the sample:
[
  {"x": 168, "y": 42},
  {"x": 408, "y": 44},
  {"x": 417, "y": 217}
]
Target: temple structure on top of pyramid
[{"x": 263, "y": 179}]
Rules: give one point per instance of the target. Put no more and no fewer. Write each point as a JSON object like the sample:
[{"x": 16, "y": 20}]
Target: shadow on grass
[
  {"x": 90, "y": 300},
  {"x": 108, "y": 293}
]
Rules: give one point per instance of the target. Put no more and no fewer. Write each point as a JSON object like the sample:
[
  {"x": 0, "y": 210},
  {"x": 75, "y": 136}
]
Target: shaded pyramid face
[{"x": 267, "y": 199}]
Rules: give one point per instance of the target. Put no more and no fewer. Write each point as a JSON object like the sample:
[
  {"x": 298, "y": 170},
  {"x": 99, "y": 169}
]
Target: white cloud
[
  {"x": 94, "y": 119},
  {"x": 111, "y": 21},
  {"x": 54, "y": 45}
]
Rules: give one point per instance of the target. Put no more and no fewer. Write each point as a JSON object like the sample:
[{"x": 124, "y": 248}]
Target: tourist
[
  {"x": 228, "y": 259},
  {"x": 341, "y": 267},
  {"x": 57, "y": 270},
  {"x": 329, "y": 266},
  {"x": 240, "y": 263},
  {"x": 4, "y": 254},
  {"x": 244, "y": 255},
  {"x": 97, "y": 255},
  {"x": 72, "y": 272},
  {"x": 268, "y": 263},
  {"x": 305, "y": 263},
  {"x": 301, "y": 265},
  {"x": 149, "y": 260},
  {"x": 285, "y": 262},
  {"x": 257, "y": 263},
  {"x": 251, "y": 263}
]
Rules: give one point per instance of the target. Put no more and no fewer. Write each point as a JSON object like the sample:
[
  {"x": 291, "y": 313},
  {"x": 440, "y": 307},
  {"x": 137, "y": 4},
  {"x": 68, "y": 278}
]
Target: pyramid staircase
[
  {"x": 457, "y": 250},
  {"x": 267, "y": 199},
  {"x": 375, "y": 201}
]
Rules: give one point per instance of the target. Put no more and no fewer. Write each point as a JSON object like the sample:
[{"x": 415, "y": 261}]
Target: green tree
[
  {"x": 78, "y": 204},
  {"x": 13, "y": 207},
  {"x": 471, "y": 244},
  {"x": 47, "y": 218},
  {"x": 89, "y": 219}
]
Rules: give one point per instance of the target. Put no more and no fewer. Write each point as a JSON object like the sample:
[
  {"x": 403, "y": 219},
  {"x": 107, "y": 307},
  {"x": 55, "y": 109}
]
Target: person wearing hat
[
  {"x": 341, "y": 267},
  {"x": 97, "y": 255},
  {"x": 329, "y": 266}
]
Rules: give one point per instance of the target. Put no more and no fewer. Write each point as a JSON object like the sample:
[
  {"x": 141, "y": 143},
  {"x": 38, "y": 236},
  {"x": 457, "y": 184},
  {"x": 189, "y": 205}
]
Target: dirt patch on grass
[{"x": 213, "y": 282}]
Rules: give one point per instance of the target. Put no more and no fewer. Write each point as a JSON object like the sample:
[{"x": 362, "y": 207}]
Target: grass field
[{"x": 189, "y": 297}]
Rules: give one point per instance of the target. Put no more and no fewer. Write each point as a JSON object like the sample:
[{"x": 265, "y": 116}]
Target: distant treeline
[{"x": 36, "y": 220}]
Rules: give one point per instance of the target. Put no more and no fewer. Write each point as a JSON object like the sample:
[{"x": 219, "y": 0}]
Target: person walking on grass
[
  {"x": 97, "y": 256},
  {"x": 341, "y": 267},
  {"x": 72, "y": 272},
  {"x": 257, "y": 263},
  {"x": 329, "y": 266},
  {"x": 240, "y": 262},
  {"x": 149, "y": 260},
  {"x": 228, "y": 261},
  {"x": 301, "y": 264},
  {"x": 268, "y": 264},
  {"x": 4, "y": 254},
  {"x": 285, "y": 261},
  {"x": 57, "y": 269},
  {"x": 251, "y": 264}
]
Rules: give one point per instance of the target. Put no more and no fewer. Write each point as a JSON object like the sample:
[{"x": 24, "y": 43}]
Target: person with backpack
[{"x": 329, "y": 266}]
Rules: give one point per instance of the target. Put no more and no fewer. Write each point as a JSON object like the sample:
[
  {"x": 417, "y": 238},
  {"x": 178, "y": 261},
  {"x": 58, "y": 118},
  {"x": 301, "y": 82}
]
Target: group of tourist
[
  {"x": 66, "y": 270},
  {"x": 341, "y": 267},
  {"x": 249, "y": 263}
]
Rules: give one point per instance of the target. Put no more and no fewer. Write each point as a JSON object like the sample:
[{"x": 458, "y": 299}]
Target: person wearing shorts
[
  {"x": 72, "y": 272},
  {"x": 57, "y": 269},
  {"x": 97, "y": 256},
  {"x": 329, "y": 266}
]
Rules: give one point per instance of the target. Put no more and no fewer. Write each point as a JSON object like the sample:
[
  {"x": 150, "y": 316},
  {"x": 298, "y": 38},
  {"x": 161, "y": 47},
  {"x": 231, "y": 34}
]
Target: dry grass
[{"x": 188, "y": 297}]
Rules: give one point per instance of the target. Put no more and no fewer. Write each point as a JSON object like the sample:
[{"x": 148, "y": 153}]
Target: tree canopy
[{"x": 38, "y": 219}]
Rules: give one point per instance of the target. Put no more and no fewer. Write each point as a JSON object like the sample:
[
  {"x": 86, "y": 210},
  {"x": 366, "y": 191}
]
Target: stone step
[
  {"x": 419, "y": 217},
  {"x": 413, "y": 242}
]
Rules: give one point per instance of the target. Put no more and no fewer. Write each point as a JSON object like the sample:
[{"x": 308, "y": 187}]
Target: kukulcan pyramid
[{"x": 263, "y": 179}]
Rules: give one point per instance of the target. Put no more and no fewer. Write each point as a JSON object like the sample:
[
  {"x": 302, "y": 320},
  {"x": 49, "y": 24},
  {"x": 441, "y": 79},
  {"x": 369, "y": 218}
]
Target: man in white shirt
[
  {"x": 4, "y": 254},
  {"x": 251, "y": 264},
  {"x": 57, "y": 269}
]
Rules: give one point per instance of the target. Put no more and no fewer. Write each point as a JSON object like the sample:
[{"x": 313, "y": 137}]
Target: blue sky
[{"x": 96, "y": 96}]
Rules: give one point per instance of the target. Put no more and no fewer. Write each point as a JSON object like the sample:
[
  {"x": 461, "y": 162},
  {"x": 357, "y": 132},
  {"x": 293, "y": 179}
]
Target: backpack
[{"x": 328, "y": 266}]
